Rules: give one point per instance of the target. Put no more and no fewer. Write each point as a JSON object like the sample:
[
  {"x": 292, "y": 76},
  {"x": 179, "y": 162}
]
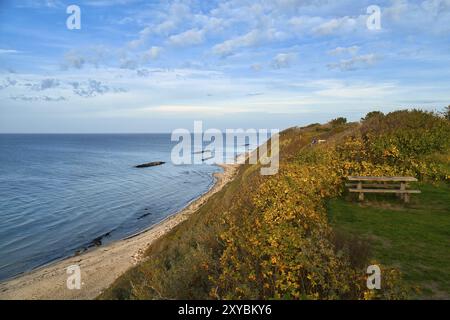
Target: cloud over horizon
[{"x": 229, "y": 56}]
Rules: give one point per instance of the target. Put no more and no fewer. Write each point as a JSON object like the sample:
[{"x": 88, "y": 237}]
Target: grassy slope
[
  {"x": 169, "y": 270},
  {"x": 180, "y": 249},
  {"x": 414, "y": 237}
]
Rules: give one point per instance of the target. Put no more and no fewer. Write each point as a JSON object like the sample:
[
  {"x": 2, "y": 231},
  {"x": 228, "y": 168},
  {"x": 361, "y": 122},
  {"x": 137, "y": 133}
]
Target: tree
[{"x": 373, "y": 114}]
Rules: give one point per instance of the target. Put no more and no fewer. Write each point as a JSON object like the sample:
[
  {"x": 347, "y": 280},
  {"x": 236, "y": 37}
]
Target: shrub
[
  {"x": 338, "y": 122},
  {"x": 269, "y": 237},
  {"x": 446, "y": 112},
  {"x": 373, "y": 114}
]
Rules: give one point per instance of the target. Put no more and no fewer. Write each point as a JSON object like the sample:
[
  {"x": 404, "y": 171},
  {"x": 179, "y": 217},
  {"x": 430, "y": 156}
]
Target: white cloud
[
  {"x": 354, "y": 63},
  {"x": 304, "y": 24},
  {"x": 73, "y": 59},
  {"x": 256, "y": 67},
  {"x": 107, "y": 3},
  {"x": 92, "y": 88},
  {"x": 435, "y": 7},
  {"x": 188, "y": 38},
  {"x": 283, "y": 60},
  {"x": 397, "y": 10},
  {"x": 337, "y": 89},
  {"x": 24, "y": 86},
  {"x": 255, "y": 37},
  {"x": 29, "y": 98},
  {"x": 8, "y": 82},
  {"x": 337, "y": 25},
  {"x": 189, "y": 109},
  {"x": 40, "y": 4},
  {"x": 412, "y": 16},
  {"x": 344, "y": 50},
  {"x": 8, "y": 51},
  {"x": 45, "y": 84},
  {"x": 165, "y": 22},
  {"x": 256, "y": 34},
  {"x": 128, "y": 63},
  {"x": 152, "y": 54},
  {"x": 164, "y": 28}
]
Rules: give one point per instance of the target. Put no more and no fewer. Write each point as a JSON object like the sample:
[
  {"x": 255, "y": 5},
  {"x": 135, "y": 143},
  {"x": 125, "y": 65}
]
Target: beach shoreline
[{"x": 101, "y": 266}]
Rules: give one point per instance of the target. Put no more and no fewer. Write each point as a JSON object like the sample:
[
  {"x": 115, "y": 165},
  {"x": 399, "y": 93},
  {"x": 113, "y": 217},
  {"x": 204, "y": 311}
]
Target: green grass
[{"x": 413, "y": 237}]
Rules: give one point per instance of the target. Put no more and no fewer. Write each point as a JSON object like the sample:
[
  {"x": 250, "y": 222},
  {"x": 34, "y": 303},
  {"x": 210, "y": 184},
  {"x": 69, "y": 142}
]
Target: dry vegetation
[{"x": 265, "y": 237}]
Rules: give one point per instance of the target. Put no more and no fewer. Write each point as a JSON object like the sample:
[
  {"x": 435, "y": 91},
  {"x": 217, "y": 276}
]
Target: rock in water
[{"x": 150, "y": 164}]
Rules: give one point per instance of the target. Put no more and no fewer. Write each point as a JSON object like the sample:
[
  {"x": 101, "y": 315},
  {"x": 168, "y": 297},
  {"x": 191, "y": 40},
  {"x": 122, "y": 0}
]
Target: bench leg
[
  {"x": 403, "y": 195},
  {"x": 406, "y": 197},
  {"x": 360, "y": 194}
]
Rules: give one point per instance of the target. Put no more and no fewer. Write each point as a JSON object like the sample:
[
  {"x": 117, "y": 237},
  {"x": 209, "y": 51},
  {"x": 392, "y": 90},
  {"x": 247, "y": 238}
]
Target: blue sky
[{"x": 153, "y": 66}]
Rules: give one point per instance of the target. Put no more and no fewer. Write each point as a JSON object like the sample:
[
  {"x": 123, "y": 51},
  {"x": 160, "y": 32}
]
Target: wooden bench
[{"x": 397, "y": 185}]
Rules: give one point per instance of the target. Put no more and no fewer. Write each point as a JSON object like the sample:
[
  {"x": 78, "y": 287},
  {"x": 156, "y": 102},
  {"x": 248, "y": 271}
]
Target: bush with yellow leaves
[
  {"x": 268, "y": 237},
  {"x": 278, "y": 244}
]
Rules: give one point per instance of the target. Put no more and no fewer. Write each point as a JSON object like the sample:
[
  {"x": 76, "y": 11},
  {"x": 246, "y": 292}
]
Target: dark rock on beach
[
  {"x": 150, "y": 164},
  {"x": 98, "y": 241},
  {"x": 144, "y": 215},
  {"x": 94, "y": 243}
]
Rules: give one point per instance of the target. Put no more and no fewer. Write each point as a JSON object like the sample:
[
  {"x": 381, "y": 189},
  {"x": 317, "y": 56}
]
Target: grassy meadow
[{"x": 414, "y": 238}]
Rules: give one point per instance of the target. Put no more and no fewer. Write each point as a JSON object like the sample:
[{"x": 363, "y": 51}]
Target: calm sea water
[{"x": 60, "y": 194}]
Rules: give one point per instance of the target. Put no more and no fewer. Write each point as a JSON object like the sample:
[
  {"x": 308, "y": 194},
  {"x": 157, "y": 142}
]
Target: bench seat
[
  {"x": 376, "y": 185},
  {"x": 392, "y": 179},
  {"x": 384, "y": 191}
]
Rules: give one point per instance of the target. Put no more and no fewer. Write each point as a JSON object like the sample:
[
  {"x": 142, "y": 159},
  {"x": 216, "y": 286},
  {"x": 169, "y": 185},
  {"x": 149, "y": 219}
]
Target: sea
[{"x": 62, "y": 194}]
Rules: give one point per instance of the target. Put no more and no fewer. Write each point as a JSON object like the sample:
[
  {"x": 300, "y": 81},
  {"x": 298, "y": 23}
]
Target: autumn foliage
[
  {"x": 280, "y": 245},
  {"x": 268, "y": 237}
]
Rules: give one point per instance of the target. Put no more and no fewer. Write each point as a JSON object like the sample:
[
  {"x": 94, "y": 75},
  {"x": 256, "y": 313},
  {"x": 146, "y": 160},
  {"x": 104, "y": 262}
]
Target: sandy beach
[{"x": 104, "y": 264}]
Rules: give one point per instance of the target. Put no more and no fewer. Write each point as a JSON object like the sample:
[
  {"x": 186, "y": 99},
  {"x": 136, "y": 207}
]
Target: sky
[{"x": 154, "y": 66}]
